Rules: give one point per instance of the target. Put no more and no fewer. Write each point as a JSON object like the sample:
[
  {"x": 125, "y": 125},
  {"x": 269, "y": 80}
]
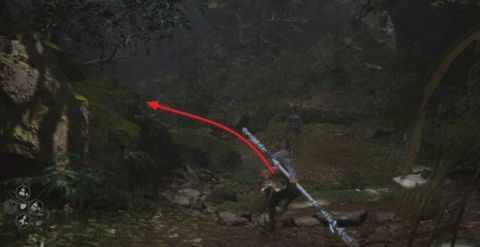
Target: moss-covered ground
[
  {"x": 330, "y": 159},
  {"x": 152, "y": 227}
]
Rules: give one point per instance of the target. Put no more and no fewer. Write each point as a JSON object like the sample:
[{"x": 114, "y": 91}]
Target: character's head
[{"x": 276, "y": 183}]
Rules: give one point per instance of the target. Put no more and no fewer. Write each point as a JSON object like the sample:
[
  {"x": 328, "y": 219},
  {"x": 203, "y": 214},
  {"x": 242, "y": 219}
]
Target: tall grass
[{"x": 144, "y": 171}]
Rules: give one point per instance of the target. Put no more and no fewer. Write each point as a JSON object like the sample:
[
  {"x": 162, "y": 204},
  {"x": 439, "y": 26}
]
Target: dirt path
[
  {"x": 369, "y": 234},
  {"x": 316, "y": 159}
]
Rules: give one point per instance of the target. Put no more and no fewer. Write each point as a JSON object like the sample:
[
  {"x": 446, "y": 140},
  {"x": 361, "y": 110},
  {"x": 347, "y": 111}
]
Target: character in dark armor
[{"x": 279, "y": 190}]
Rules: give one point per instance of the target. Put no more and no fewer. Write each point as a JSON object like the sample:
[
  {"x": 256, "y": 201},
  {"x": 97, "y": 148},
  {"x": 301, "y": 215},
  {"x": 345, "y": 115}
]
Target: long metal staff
[{"x": 332, "y": 223}]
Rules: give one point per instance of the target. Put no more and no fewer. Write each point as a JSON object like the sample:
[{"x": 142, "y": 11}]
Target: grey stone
[
  {"x": 181, "y": 200},
  {"x": 230, "y": 219},
  {"x": 411, "y": 181},
  {"x": 220, "y": 195},
  {"x": 192, "y": 212},
  {"x": 306, "y": 221},
  {"x": 237, "y": 118},
  {"x": 259, "y": 119},
  {"x": 343, "y": 219},
  {"x": 385, "y": 190},
  {"x": 417, "y": 169},
  {"x": 192, "y": 176},
  {"x": 167, "y": 195},
  {"x": 190, "y": 184},
  {"x": 197, "y": 203},
  {"x": 191, "y": 193},
  {"x": 377, "y": 217},
  {"x": 247, "y": 215},
  {"x": 210, "y": 209},
  {"x": 206, "y": 188},
  {"x": 372, "y": 191}
]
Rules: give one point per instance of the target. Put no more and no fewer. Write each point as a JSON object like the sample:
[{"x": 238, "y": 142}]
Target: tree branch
[
  {"x": 277, "y": 32},
  {"x": 100, "y": 62}
]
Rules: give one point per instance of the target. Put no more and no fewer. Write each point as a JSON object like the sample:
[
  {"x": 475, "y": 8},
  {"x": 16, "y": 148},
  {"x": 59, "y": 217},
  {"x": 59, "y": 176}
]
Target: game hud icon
[
  {"x": 10, "y": 206},
  {"x": 23, "y": 192},
  {"x": 35, "y": 206},
  {"x": 23, "y": 221},
  {"x": 23, "y": 206}
]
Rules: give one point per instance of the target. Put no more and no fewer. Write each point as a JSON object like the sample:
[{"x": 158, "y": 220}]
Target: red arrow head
[{"x": 153, "y": 104}]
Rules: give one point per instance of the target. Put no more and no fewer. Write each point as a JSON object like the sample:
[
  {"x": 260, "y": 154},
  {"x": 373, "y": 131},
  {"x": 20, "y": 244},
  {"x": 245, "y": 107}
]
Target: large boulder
[
  {"x": 40, "y": 113},
  {"x": 118, "y": 125},
  {"x": 205, "y": 150},
  {"x": 110, "y": 133},
  {"x": 73, "y": 69},
  {"x": 259, "y": 119},
  {"x": 220, "y": 195},
  {"x": 255, "y": 117},
  {"x": 237, "y": 118},
  {"x": 377, "y": 217}
]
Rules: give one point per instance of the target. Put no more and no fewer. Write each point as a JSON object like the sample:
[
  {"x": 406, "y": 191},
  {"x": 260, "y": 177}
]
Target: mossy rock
[
  {"x": 206, "y": 188},
  {"x": 102, "y": 98},
  {"x": 259, "y": 119},
  {"x": 205, "y": 150},
  {"x": 43, "y": 116}
]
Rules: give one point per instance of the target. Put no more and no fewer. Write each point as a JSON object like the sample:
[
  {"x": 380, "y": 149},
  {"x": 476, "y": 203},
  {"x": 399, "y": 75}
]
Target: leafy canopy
[{"x": 109, "y": 25}]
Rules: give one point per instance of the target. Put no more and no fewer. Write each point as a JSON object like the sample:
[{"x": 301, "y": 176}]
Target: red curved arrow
[{"x": 155, "y": 106}]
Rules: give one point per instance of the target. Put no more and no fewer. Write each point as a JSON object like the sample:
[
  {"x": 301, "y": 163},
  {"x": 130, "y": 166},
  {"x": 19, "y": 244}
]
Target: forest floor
[{"x": 326, "y": 157}]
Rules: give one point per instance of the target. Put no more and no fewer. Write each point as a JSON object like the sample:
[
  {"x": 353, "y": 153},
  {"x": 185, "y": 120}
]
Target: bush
[{"x": 77, "y": 184}]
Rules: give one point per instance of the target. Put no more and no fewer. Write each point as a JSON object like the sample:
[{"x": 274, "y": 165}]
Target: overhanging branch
[
  {"x": 276, "y": 32},
  {"x": 101, "y": 62}
]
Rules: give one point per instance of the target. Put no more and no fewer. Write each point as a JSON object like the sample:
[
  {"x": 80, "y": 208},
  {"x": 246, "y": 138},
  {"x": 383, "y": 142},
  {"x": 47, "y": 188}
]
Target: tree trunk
[
  {"x": 475, "y": 82},
  {"x": 6, "y": 19},
  {"x": 434, "y": 76}
]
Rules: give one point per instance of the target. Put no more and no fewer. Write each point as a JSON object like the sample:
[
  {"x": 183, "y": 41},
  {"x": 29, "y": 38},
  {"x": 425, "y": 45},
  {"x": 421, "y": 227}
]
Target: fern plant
[
  {"x": 77, "y": 183},
  {"x": 144, "y": 170}
]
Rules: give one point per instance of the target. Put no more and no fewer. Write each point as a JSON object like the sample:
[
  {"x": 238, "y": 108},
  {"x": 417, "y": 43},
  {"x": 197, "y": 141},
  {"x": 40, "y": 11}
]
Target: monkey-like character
[{"x": 279, "y": 190}]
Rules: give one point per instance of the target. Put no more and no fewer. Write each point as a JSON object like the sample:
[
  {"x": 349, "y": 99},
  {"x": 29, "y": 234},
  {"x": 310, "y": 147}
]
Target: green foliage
[
  {"x": 143, "y": 169},
  {"x": 438, "y": 3},
  {"x": 135, "y": 201},
  {"x": 352, "y": 180},
  {"x": 110, "y": 25},
  {"x": 246, "y": 174},
  {"x": 102, "y": 101},
  {"x": 245, "y": 203},
  {"x": 275, "y": 74},
  {"x": 411, "y": 196},
  {"x": 447, "y": 139},
  {"x": 77, "y": 183}
]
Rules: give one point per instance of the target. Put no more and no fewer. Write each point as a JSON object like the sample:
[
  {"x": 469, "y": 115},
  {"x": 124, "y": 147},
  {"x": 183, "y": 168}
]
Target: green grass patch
[{"x": 245, "y": 203}]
